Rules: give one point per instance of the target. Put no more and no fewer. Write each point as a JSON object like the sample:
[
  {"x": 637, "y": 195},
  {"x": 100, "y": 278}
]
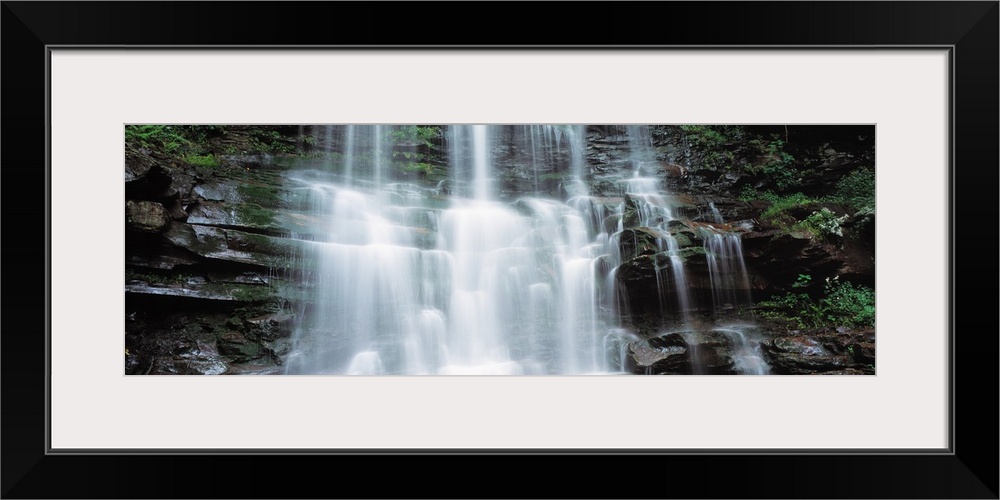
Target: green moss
[
  {"x": 683, "y": 241},
  {"x": 254, "y": 215},
  {"x": 262, "y": 196},
  {"x": 663, "y": 260},
  {"x": 263, "y": 244},
  {"x": 252, "y": 293},
  {"x": 777, "y": 213},
  {"x": 156, "y": 279},
  {"x": 205, "y": 161},
  {"x": 250, "y": 349}
]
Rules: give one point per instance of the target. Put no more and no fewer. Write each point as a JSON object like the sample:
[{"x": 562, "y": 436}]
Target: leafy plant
[
  {"x": 778, "y": 166},
  {"x": 713, "y": 142},
  {"x": 778, "y": 212},
  {"x": 705, "y": 136},
  {"x": 415, "y": 134},
  {"x": 750, "y": 193},
  {"x": 855, "y": 304},
  {"x": 822, "y": 223},
  {"x": 207, "y": 161},
  {"x": 857, "y": 190},
  {"x": 842, "y": 304},
  {"x": 169, "y": 138},
  {"x": 417, "y": 167},
  {"x": 271, "y": 141}
]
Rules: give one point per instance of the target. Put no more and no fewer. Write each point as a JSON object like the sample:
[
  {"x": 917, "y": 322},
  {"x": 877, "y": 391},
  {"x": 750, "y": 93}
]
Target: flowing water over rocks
[
  {"x": 489, "y": 250},
  {"x": 410, "y": 281}
]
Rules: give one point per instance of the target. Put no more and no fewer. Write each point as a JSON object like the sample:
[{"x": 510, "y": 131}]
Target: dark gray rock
[
  {"x": 146, "y": 217},
  {"x": 667, "y": 354},
  {"x": 138, "y": 164},
  {"x": 800, "y": 355},
  {"x": 241, "y": 247}
]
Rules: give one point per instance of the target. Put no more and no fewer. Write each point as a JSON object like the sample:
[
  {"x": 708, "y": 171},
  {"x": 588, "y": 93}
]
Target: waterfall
[
  {"x": 654, "y": 209},
  {"x": 745, "y": 341},
  {"x": 348, "y": 154},
  {"x": 480, "y": 147},
  {"x": 727, "y": 270},
  {"x": 408, "y": 278}
]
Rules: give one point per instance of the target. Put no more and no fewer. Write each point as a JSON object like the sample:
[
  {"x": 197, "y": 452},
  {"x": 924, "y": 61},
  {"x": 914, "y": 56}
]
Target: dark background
[{"x": 971, "y": 472}]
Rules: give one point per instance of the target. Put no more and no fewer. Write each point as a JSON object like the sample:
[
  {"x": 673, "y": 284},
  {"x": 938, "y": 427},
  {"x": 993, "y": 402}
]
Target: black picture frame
[{"x": 968, "y": 470}]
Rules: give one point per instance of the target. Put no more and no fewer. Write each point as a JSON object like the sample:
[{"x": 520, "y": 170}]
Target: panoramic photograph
[{"x": 499, "y": 249}]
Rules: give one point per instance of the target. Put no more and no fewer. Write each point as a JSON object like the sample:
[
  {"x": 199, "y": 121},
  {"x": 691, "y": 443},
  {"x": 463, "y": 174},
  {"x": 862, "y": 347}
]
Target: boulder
[
  {"x": 138, "y": 164},
  {"x": 638, "y": 241},
  {"x": 238, "y": 349},
  {"x": 146, "y": 217},
  {"x": 683, "y": 353},
  {"x": 800, "y": 355},
  {"x": 667, "y": 354}
]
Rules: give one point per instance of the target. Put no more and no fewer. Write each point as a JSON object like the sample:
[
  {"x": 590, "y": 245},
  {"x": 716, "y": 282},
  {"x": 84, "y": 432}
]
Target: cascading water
[
  {"x": 654, "y": 210},
  {"x": 409, "y": 281},
  {"x": 747, "y": 358},
  {"x": 730, "y": 282}
]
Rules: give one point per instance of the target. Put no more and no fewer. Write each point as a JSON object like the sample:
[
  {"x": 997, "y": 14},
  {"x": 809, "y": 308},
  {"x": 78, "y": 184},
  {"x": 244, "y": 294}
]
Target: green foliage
[
  {"x": 854, "y": 303},
  {"x": 271, "y": 141},
  {"x": 802, "y": 281},
  {"x": 413, "y": 161},
  {"x": 842, "y": 304},
  {"x": 776, "y": 150},
  {"x": 705, "y": 136},
  {"x": 207, "y": 161},
  {"x": 415, "y": 134},
  {"x": 777, "y": 213},
  {"x": 777, "y": 165},
  {"x": 857, "y": 190},
  {"x": 750, "y": 193},
  {"x": 169, "y": 138},
  {"x": 713, "y": 142},
  {"x": 821, "y": 223},
  {"x": 417, "y": 167}
]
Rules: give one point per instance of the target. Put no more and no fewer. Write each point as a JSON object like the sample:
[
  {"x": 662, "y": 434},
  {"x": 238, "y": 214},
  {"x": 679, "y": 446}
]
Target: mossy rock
[
  {"x": 634, "y": 242},
  {"x": 253, "y": 293}
]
